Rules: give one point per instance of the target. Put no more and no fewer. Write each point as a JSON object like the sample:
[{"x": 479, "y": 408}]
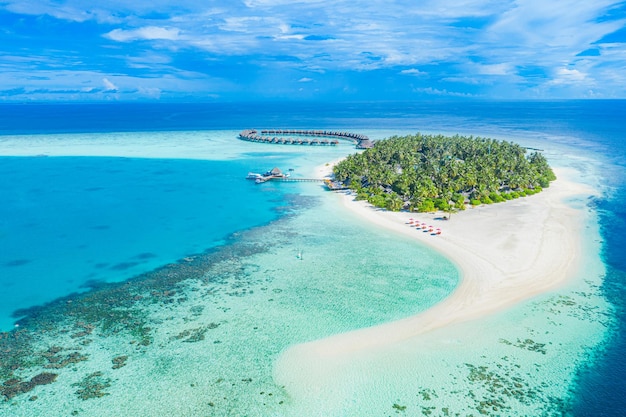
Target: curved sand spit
[{"x": 506, "y": 253}]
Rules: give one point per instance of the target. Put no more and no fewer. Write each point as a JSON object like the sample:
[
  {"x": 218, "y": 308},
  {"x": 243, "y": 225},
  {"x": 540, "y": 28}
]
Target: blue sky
[{"x": 230, "y": 50}]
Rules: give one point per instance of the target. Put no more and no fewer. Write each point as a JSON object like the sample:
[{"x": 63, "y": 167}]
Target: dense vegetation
[{"x": 427, "y": 172}]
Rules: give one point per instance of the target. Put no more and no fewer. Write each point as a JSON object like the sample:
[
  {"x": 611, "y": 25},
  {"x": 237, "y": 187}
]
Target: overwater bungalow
[
  {"x": 273, "y": 173},
  {"x": 365, "y": 144},
  {"x": 326, "y": 137}
]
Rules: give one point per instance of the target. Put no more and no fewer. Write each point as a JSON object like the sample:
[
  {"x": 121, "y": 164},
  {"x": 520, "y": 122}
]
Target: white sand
[{"x": 506, "y": 253}]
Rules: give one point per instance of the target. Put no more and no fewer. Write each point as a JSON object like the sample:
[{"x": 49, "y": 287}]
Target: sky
[{"x": 255, "y": 50}]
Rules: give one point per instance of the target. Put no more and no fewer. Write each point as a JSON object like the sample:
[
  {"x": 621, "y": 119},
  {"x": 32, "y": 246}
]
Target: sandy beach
[{"x": 506, "y": 253}]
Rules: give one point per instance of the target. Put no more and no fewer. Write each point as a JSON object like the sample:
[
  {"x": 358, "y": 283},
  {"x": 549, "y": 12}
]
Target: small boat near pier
[{"x": 275, "y": 173}]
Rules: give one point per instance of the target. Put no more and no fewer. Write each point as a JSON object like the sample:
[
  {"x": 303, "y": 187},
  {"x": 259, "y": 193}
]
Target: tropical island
[{"x": 425, "y": 173}]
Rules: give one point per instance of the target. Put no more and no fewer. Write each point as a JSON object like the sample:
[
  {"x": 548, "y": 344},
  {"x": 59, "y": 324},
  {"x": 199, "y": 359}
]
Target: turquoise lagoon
[{"x": 170, "y": 286}]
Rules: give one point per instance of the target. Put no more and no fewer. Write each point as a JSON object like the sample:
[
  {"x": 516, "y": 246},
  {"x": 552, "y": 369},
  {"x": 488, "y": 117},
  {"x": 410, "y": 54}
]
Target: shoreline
[{"x": 506, "y": 253}]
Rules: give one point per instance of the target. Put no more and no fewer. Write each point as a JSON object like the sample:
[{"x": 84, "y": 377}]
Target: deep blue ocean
[{"x": 116, "y": 217}]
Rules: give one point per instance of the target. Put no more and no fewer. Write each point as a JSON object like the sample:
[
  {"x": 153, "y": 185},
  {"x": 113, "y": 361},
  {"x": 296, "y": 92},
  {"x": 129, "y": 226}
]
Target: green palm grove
[{"x": 429, "y": 172}]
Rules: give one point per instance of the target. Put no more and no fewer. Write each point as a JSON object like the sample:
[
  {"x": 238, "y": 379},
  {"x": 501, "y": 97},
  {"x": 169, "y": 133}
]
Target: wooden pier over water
[
  {"x": 331, "y": 185},
  {"x": 303, "y": 137},
  {"x": 277, "y": 175},
  {"x": 289, "y": 179}
]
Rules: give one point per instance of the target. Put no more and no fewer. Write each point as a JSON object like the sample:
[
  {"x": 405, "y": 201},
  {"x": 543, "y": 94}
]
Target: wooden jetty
[
  {"x": 289, "y": 179},
  {"x": 330, "y": 184},
  {"x": 326, "y": 137},
  {"x": 277, "y": 175}
]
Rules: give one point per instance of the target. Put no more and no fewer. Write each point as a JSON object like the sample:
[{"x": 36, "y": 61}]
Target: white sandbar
[{"x": 506, "y": 253}]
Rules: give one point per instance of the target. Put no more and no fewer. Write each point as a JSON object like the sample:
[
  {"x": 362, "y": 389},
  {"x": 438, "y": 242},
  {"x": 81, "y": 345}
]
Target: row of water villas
[
  {"x": 265, "y": 136},
  {"x": 253, "y": 136}
]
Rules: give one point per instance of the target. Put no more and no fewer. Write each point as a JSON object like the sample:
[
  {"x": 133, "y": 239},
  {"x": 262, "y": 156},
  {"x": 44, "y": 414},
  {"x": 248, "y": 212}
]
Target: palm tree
[{"x": 427, "y": 167}]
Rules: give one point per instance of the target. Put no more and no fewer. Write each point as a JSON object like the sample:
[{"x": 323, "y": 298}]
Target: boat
[
  {"x": 253, "y": 176},
  {"x": 274, "y": 173}
]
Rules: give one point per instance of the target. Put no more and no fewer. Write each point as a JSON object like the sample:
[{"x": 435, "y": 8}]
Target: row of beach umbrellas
[{"x": 423, "y": 226}]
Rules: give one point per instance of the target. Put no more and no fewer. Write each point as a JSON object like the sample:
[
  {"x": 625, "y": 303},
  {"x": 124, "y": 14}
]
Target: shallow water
[
  {"x": 71, "y": 222},
  {"x": 214, "y": 341},
  {"x": 201, "y": 336}
]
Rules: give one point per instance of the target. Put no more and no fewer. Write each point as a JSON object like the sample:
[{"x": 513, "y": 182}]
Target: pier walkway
[
  {"x": 303, "y": 137},
  {"x": 330, "y": 184},
  {"x": 289, "y": 179}
]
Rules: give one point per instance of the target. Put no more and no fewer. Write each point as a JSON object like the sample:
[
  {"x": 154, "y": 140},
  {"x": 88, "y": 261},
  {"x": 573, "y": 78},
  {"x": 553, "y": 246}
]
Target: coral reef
[
  {"x": 14, "y": 386},
  {"x": 92, "y": 386}
]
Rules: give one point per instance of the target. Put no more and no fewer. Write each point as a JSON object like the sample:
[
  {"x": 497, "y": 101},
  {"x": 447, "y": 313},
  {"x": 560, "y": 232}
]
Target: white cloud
[
  {"x": 243, "y": 24},
  {"x": 144, "y": 33},
  {"x": 147, "y": 60},
  {"x": 481, "y": 43},
  {"x": 90, "y": 85},
  {"x": 108, "y": 85},
  {"x": 493, "y": 69},
  {"x": 151, "y": 92},
  {"x": 552, "y": 30},
  {"x": 568, "y": 76},
  {"x": 440, "y": 92},
  {"x": 305, "y": 80},
  {"x": 254, "y": 4},
  {"x": 413, "y": 71},
  {"x": 71, "y": 12},
  {"x": 571, "y": 74},
  {"x": 467, "y": 80}
]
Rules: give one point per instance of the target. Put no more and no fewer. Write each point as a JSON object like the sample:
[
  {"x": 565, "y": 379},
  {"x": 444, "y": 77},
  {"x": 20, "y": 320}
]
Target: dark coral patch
[
  {"x": 17, "y": 262},
  {"x": 101, "y": 227},
  {"x": 145, "y": 255},
  {"x": 15, "y": 386},
  {"x": 122, "y": 266}
]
